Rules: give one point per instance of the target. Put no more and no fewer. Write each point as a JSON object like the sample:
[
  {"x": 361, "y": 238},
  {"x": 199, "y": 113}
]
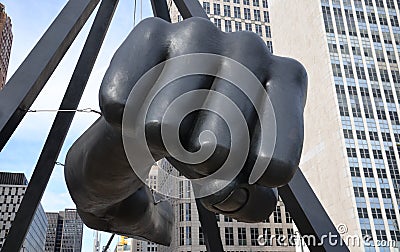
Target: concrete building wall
[
  {"x": 350, "y": 50},
  {"x": 323, "y": 161}
]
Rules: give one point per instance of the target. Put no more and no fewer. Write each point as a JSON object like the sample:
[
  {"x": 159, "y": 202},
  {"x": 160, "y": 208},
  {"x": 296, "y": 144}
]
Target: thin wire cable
[
  {"x": 60, "y": 164},
  {"x": 85, "y": 110}
]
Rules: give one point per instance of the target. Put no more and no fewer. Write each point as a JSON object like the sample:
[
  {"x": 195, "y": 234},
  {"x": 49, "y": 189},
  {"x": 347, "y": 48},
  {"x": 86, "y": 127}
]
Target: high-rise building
[
  {"x": 235, "y": 15},
  {"x": 64, "y": 232},
  {"x": 350, "y": 49},
  {"x": 6, "y": 38},
  {"x": 187, "y": 234},
  {"x": 135, "y": 245},
  {"x": 12, "y": 190}
]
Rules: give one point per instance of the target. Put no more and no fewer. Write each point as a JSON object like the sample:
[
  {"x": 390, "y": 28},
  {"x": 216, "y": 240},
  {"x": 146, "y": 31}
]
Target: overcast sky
[{"x": 30, "y": 19}]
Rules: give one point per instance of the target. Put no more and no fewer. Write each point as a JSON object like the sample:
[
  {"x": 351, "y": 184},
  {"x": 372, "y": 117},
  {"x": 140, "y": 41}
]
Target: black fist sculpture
[{"x": 218, "y": 106}]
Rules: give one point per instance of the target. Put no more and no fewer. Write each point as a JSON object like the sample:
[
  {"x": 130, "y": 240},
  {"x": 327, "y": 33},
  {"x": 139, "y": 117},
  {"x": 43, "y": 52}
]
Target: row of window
[
  {"x": 360, "y": 134},
  {"x": 278, "y": 238},
  {"x": 259, "y": 29},
  {"x": 237, "y": 12},
  {"x": 255, "y": 3},
  {"x": 185, "y": 214}
]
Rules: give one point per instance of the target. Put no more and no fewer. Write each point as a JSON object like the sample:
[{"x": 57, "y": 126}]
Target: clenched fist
[{"x": 218, "y": 106}]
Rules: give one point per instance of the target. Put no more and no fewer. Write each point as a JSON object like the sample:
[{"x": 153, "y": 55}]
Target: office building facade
[
  {"x": 12, "y": 190},
  {"x": 64, "y": 232},
  {"x": 6, "y": 38},
  {"x": 235, "y": 15},
  {"x": 350, "y": 49},
  {"x": 276, "y": 232},
  {"x": 136, "y": 245}
]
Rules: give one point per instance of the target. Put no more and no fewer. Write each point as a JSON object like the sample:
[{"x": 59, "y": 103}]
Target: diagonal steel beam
[
  {"x": 190, "y": 8},
  {"x": 209, "y": 225},
  {"x": 160, "y": 9},
  {"x": 310, "y": 216},
  {"x": 29, "y": 79},
  {"x": 60, "y": 127}
]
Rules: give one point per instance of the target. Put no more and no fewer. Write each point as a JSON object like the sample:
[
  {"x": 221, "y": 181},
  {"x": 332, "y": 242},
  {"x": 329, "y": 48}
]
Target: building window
[
  {"x": 257, "y": 16},
  {"x": 267, "y": 236},
  {"x": 236, "y": 1},
  {"x": 266, "y": 16},
  {"x": 246, "y": 12},
  {"x": 180, "y": 189},
  {"x": 229, "y": 236},
  {"x": 362, "y": 213},
  {"x": 358, "y": 192},
  {"x": 254, "y": 236},
  {"x": 227, "y": 10},
  {"x": 265, "y": 3},
  {"x": 228, "y": 26},
  {"x": 246, "y": 2},
  {"x": 181, "y": 236},
  {"x": 269, "y": 45},
  {"x": 237, "y": 13},
  {"x": 201, "y": 236},
  {"x": 181, "y": 212},
  {"x": 258, "y": 30},
  {"x": 256, "y": 3},
  {"x": 277, "y": 215},
  {"x": 217, "y": 22},
  {"x": 288, "y": 218},
  {"x": 372, "y": 192},
  {"x": 206, "y": 7},
  {"x": 267, "y": 31},
  {"x": 188, "y": 213},
  {"x": 227, "y": 219},
  {"x": 247, "y": 26},
  {"x": 188, "y": 235},
  {"x": 242, "y": 236},
  {"x": 238, "y": 26},
  {"x": 280, "y": 238},
  {"x": 217, "y": 9}
]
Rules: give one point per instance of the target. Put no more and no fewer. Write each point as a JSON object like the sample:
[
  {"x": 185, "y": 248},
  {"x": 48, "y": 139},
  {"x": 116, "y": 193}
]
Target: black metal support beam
[
  {"x": 310, "y": 216},
  {"x": 61, "y": 124},
  {"x": 160, "y": 9},
  {"x": 27, "y": 82},
  {"x": 190, "y": 8},
  {"x": 105, "y": 249},
  {"x": 209, "y": 225}
]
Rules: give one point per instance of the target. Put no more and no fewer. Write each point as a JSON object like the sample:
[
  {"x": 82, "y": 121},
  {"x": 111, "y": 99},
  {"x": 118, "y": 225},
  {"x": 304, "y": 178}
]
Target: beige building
[
  {"x": 350, "y": 49},
  {"x": 236, "y": 236},
  {"x": 235, "y": 15},
  {"x": 6, "y": 38},
  {"x": 135, "y": 245}
]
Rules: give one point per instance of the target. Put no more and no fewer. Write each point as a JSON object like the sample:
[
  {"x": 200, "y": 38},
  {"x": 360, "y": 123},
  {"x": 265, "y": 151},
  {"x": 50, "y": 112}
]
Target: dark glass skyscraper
[{"x": 64, "y": 232}]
